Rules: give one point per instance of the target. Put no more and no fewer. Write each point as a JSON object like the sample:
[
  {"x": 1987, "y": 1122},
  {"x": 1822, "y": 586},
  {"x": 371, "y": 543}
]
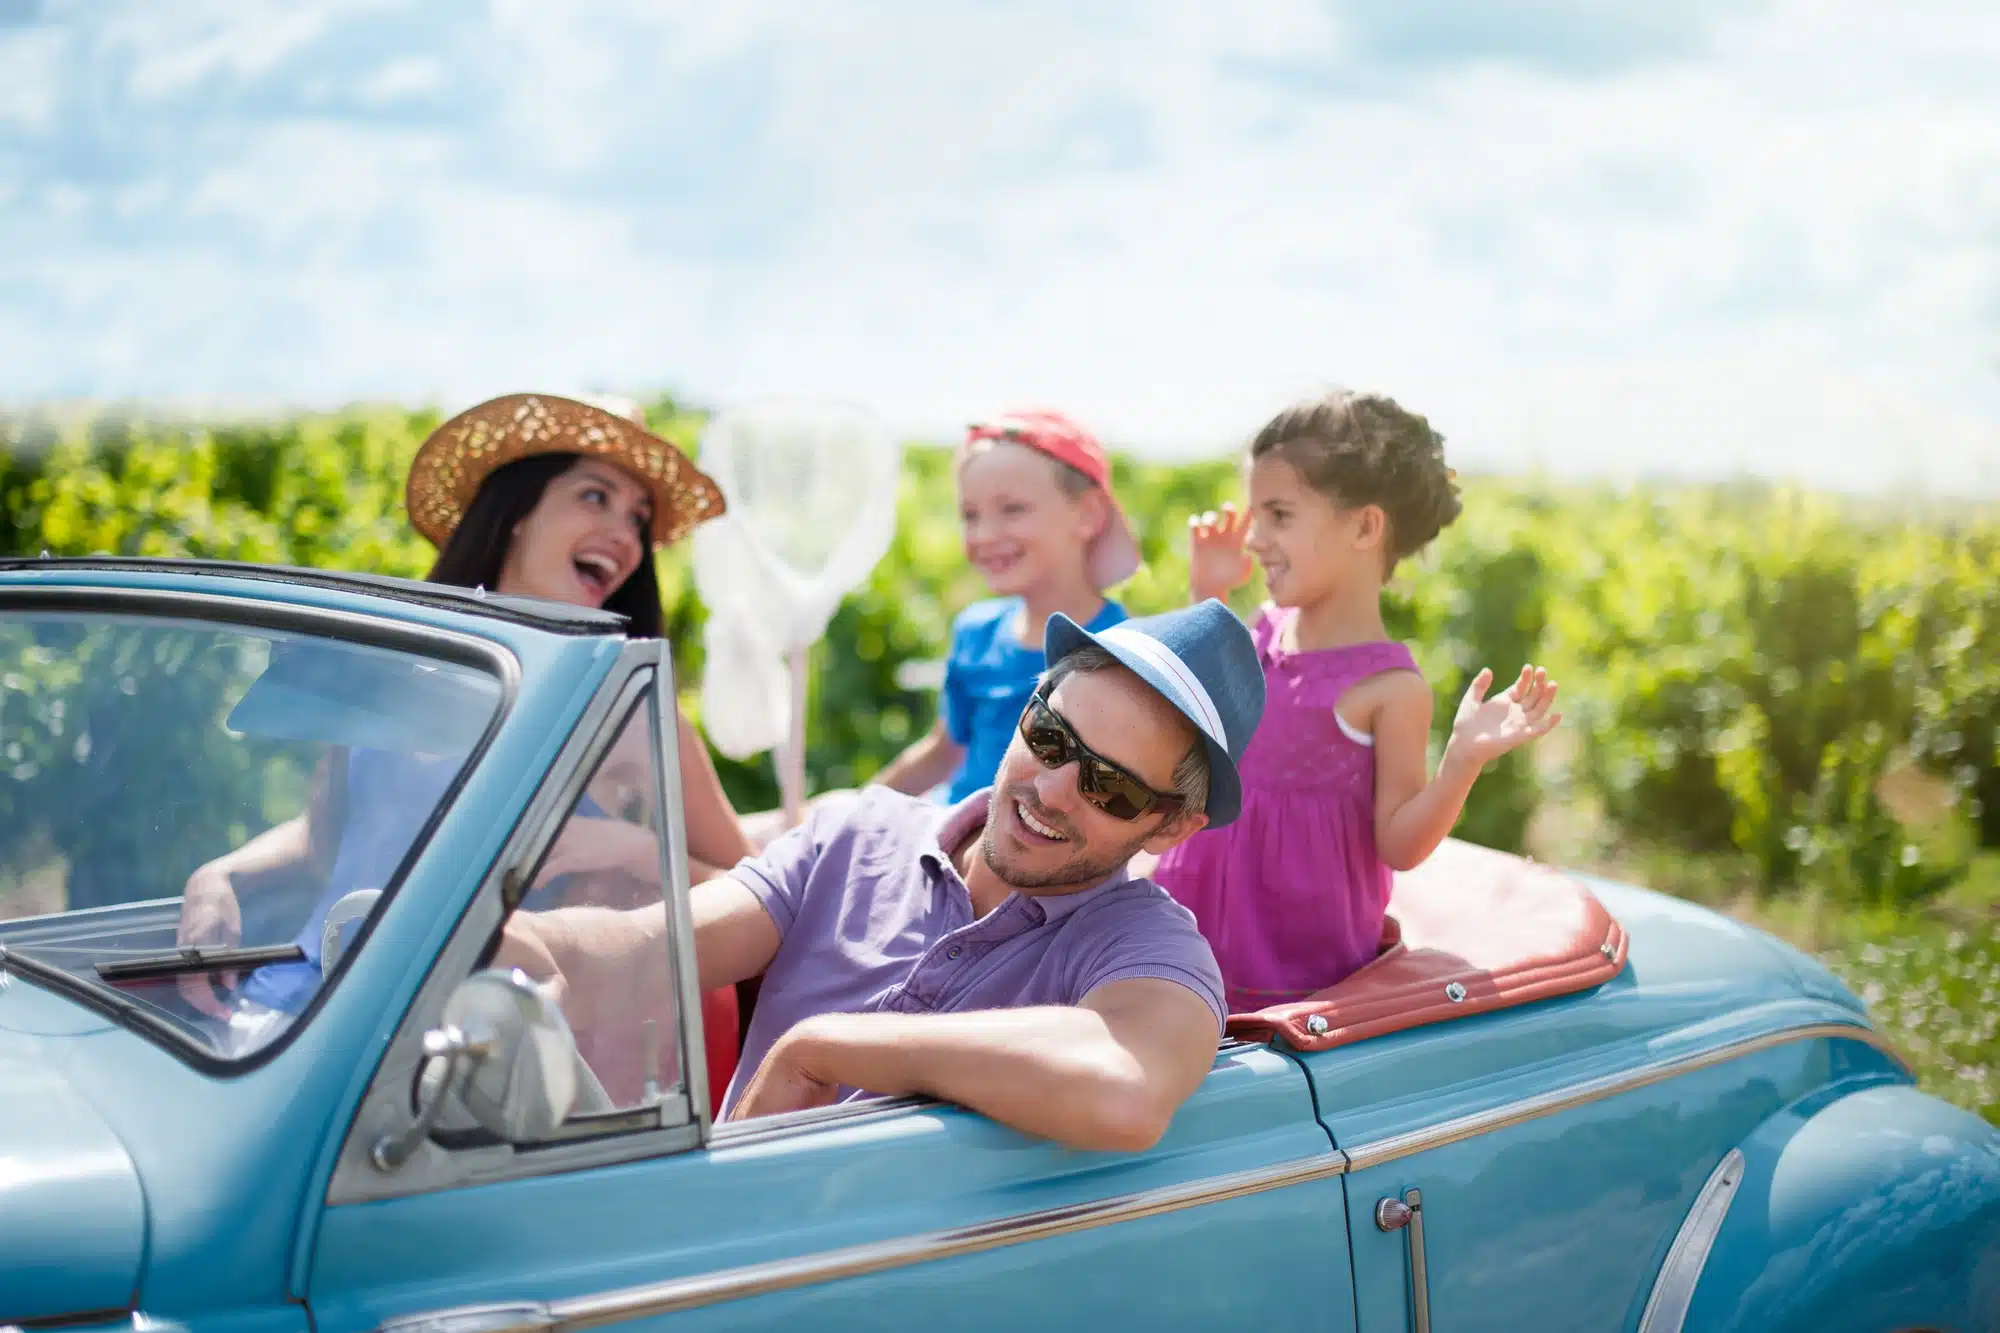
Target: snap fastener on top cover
[{"x": 1454, "y": 992}]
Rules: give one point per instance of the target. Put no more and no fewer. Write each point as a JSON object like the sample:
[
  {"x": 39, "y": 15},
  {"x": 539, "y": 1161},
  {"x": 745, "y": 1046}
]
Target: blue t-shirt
[
  {"x": 390, "y": 795},
  {"x": 988, "y": 676}
]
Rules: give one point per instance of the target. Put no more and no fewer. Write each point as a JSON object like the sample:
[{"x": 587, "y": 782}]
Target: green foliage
[
  {"x": 317, "y": 491},
  {"x": 114, "y": 754},
  {"x": 1753, "y": 667},
  {"x": 1740, "y": 669},
  {"x": 1943, "y": 596}
]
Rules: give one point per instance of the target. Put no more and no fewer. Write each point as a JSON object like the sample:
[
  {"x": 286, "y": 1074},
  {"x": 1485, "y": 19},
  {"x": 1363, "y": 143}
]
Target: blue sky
[{"x": 1583, "y": 235}]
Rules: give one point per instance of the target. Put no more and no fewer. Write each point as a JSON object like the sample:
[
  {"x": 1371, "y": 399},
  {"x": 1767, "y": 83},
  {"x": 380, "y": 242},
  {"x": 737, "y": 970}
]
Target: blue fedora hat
[{"x": 1202, "y": 660}]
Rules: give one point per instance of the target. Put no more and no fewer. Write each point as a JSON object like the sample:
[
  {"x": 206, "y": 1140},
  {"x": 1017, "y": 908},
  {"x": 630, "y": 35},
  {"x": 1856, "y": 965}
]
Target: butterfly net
[{"x": 811, "y": 490}]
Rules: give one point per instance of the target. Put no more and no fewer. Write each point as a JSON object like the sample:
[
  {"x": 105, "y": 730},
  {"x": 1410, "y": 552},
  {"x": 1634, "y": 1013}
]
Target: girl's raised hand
[
  {"x": 1217, "y": 562},
  {"x": 1487, "y": 728}
]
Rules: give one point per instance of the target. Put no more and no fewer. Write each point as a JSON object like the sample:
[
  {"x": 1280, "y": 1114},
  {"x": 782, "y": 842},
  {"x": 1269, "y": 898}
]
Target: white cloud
[
  {"x": 177, "y": 47},
  {"x": 1759, "y": 237},
  {"x": 402, "y": 80},
  {"x": 28, "y": 80}
]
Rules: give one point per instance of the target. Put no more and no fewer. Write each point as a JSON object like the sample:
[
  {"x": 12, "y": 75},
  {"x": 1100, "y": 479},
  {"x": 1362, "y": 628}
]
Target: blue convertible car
[{"x": 259, "y": 832}]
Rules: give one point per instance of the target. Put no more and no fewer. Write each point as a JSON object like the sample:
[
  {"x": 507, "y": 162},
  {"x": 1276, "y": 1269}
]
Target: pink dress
[{"x": 1291, "y": 894}]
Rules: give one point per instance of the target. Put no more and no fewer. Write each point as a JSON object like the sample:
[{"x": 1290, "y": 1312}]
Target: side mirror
[
  {"x": 504, "y": 1054},
  {"x": 341, "y": 918}
]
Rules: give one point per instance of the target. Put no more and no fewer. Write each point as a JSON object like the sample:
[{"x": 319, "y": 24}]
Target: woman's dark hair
[
  {"x": 473, "y": 557},
  {"x": 1363, "y": 449}
]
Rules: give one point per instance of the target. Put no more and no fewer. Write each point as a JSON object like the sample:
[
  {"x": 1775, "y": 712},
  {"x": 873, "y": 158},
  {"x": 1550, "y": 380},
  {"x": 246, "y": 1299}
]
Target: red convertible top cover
[{"x": 1469, "y": 931}]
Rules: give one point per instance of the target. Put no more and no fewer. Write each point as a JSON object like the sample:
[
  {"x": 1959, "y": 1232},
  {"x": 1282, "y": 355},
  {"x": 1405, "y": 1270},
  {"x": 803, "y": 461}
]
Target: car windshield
[{"x": 198, "y": 818}]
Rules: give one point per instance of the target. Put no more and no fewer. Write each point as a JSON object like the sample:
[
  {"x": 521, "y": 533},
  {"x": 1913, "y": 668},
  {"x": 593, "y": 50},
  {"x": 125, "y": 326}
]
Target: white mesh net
[{"x": 811, "y": 485}]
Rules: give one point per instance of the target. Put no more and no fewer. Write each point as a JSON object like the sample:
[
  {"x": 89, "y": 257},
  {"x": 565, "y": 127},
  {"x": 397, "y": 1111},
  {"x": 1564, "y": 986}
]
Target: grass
[
  {"x": 1929, "y": 972},
  {"x": 1932, "y": 989},
  {"x": 1930, "y": 975}
]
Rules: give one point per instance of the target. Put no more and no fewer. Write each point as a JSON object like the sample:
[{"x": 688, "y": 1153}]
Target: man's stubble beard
[{"x": 1081, "y": 870}]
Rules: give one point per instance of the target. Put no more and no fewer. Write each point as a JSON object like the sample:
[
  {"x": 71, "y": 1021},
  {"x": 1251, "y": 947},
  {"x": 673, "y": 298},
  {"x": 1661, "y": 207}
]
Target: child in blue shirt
[{"x": 1040, "y": 523}]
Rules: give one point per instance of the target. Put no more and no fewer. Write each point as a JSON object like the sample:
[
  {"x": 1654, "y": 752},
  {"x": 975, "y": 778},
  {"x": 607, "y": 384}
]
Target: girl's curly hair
[{"x": 1362, "y": 449}]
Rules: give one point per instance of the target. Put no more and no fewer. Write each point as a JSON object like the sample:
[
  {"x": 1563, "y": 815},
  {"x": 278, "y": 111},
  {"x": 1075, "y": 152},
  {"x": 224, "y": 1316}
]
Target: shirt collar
[
  {"x": 952, "y": 826},
  {"x": 957, "y": 823}
]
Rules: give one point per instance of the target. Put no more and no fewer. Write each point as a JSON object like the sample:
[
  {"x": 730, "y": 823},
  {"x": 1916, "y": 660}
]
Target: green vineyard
[{"x": 1782, "y": 702}]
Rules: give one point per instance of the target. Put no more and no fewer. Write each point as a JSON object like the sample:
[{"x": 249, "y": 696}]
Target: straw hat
[{"x": 458, "y": 456}]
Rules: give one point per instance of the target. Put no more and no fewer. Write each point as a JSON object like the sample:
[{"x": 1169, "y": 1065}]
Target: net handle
[{"x": 792, "y": 757}]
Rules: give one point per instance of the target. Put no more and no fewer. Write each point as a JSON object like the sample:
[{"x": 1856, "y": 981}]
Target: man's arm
[
  {"x": 592, "y": 957},
  {"x": 1107, "y": 1074},
  {"x": 586, "y": 952},
  {"x": 735, "y": 939}
]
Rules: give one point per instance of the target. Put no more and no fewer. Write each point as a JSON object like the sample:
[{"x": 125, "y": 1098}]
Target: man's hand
[
  {"x": 210, "y": 917},
  {"x": 522, "y": 947},
  {"x": 786, "y": 1081},
  {"x": 602, "y": 962},
  {"x": 1217, "y": 562}
]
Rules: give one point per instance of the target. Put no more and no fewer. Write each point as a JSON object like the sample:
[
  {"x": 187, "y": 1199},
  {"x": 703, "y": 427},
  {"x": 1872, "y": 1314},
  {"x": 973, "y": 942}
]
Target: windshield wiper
[{"x": 195, "y": 958}]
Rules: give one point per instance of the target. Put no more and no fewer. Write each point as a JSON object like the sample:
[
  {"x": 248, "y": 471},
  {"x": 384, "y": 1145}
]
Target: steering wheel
[{"x": 349, "y": 910}]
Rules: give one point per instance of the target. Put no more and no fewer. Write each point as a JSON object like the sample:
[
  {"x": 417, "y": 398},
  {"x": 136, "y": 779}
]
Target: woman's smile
[{"x": 584, "y": 538}]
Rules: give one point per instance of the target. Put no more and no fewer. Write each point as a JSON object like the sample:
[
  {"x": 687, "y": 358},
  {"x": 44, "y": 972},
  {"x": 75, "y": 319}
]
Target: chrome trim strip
[
  {"x": 503, "y": 1317},
  {"x": 1598, "y": 1089},
  {"x": 686, "y": 1293},
  {"x": 1673, "y": 1290},
  {"x": 789, "y": 1124},
  {"x": 675, "y": 884}
]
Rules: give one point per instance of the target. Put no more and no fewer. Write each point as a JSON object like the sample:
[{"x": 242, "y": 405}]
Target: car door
[
  {"x": 1491, "y": 1186},
  {"x": 875, "y": 1215}
]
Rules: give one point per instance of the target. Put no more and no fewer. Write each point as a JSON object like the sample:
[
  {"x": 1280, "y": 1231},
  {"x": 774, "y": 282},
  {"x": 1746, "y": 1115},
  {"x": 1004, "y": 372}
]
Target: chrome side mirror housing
[{"x": 502, "y": 1056}]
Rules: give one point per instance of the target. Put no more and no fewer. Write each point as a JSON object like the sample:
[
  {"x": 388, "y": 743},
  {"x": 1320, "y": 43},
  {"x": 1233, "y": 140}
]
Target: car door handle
[{"x": 1407, "y": 1215}]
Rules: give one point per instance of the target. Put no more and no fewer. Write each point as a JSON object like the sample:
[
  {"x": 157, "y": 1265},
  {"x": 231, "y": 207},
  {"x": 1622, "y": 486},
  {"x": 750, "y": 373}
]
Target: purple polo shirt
[{"x": 872, "y": 916}]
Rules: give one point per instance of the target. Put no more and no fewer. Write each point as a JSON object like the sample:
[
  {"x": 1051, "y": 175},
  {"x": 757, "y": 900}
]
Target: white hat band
[{"x": 1185, "y": 686}]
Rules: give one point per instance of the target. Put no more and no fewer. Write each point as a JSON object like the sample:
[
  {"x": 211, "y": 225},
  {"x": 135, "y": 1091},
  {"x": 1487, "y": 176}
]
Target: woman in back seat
[{"x": 525, "y": 495}]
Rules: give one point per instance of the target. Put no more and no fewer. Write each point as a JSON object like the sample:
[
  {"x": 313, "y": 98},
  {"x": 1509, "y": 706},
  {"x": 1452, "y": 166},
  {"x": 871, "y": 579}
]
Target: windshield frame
[{"x": 238, "y": 612}]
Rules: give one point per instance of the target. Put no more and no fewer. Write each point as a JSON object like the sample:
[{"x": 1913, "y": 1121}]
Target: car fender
[
  {"x": 72, "y": 1207},
  {"x": 1853, "y": 1211}
]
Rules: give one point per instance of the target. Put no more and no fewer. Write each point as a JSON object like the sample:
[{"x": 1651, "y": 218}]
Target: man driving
[{"x": 995, "y": 954}]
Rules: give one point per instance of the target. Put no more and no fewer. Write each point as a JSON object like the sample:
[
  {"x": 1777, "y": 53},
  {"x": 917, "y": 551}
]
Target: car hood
[{"x": 72, "y": 1213}]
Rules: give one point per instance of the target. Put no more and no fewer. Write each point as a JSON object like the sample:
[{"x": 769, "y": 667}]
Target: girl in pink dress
[{"x": 1336, "y": 789}]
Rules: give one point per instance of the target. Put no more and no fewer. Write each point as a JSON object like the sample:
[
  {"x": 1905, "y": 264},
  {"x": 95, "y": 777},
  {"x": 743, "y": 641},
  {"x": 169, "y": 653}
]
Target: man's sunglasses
[{"x": 1104, "y": 784}]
